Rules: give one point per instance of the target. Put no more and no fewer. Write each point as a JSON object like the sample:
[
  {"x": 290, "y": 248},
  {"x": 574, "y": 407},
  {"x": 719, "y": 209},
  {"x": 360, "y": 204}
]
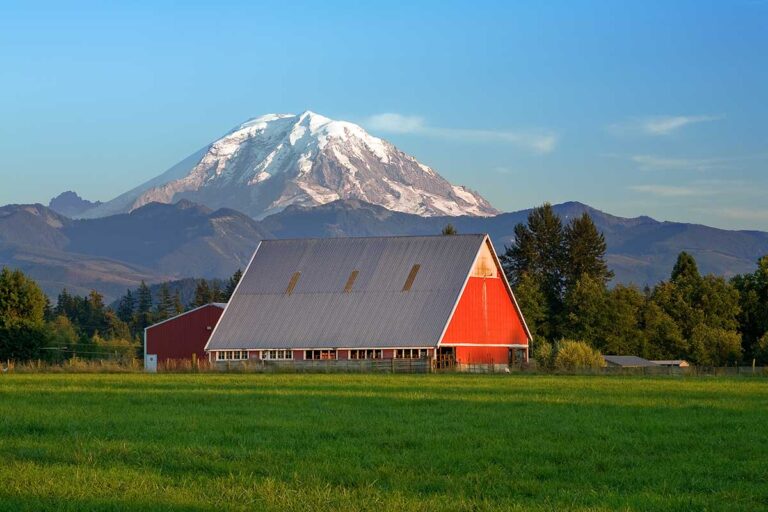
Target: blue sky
[{"x": 654, "y": 108}]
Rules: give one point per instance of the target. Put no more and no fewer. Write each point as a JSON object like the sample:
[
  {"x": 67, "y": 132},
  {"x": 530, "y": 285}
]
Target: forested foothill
[
  {"x": 32, "y": 328},
  {"x": 563, "y": 285},
  {"x": 557, "y": 270}
]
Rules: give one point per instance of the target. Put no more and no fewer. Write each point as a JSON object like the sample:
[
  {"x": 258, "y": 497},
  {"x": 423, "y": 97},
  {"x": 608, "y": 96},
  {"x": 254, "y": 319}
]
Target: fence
[{"x": 423, "y": 365}]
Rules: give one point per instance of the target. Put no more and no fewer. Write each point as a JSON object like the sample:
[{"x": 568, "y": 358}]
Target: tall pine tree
[
  {"x": 585, "y": 252},
  {"x": 231, "y": 285}
]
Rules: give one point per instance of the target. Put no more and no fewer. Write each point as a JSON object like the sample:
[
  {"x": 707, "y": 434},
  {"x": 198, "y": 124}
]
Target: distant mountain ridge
[
  {"x": 172, "y": 241},
  {"x": 71, "y": 205},
  {"x": 274, "y": 161}
]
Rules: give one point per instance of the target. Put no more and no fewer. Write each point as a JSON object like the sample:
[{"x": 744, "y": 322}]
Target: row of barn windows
[
  {"x": 287, "y": 354},
  {"x": 352, "y": 278}
]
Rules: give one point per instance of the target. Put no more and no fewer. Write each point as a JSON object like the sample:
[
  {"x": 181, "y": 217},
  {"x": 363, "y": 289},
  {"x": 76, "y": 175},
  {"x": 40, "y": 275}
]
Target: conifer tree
[
  {"x": 178, "y": 307},
  {"x": 126, "y": 307},
  {"x": 449, "y": 230},
  {"x": 231, "y": 285},
  {"x": 585, "y": 249},
  {"x": 202, "y": 294},
  {"x": 165, "y": 306},
  {"x": 539, "y": 251},
  {"x": 144, "y": 302}
]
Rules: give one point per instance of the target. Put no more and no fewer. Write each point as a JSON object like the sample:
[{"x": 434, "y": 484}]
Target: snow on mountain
[{"x": 277, "y": 160}]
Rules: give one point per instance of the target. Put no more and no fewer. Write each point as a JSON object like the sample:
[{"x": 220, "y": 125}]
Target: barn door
[
  {"x": 446, "y": 358},
  {"x": 150, "y": 363}
]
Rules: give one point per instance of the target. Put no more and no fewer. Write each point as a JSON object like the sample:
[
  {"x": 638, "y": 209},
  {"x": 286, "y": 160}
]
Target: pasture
[{"x": 382, "y": 442}]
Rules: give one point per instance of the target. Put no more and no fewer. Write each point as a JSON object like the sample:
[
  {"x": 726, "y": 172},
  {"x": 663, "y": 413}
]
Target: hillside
[{"x": 161, "y": 242}]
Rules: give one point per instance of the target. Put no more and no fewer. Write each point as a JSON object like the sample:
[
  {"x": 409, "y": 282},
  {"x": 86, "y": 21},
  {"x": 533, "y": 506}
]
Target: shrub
[
  {"x": 576, "y": 355},
  {"x": 544, "y": 353}
]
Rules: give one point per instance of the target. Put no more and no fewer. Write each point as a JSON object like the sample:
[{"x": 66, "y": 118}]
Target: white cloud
[
  {"x": 395, "y": 123},
  {"x": 659, "y": 125},
  {"x": 745, "y": 214},
  {"x": 669, "y": 190},
  {"x": 667, "y": 125},
  {"x": 660, "y": 163},
  {"x": 536, "y": 141}
]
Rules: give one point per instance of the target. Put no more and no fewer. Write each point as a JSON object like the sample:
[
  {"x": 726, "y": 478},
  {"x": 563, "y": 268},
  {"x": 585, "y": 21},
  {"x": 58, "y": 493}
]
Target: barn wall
[
  {"x": 485, "y": 314},
  {"x": 482, "y": 355},
  {"x": 182, "y": 336}
]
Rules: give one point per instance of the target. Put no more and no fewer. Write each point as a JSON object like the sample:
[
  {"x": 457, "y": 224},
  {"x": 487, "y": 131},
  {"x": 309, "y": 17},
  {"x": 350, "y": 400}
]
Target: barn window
[
  {"x": 410, "y": 353},
  {"x": 277, "y": 355},
  {"x": 411, "y": 277},
  {"x": 351, "y": 281},
  {"x": 366, "y": 354},
  {"x": 292, "y": 283},
  {"x": 320, "y": 354},
  {"x": 231, "y": 355}
]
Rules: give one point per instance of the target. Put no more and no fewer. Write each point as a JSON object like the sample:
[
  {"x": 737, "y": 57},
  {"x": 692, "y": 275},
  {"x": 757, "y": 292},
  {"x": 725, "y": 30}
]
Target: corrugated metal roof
[
  {"x": 320, "y": 314},
  {"x": 220, "y": 305},
  {"x": 628, "y": 361}
]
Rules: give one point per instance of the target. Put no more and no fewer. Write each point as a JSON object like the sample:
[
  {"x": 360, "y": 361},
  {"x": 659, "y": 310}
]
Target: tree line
[
  {"x": 32, "y": 328},
  {"x": 560, "y": 278}
]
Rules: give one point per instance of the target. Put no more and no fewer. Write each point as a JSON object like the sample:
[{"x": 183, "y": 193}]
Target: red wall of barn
[
  {"x": 180, "y": 337},
  {"x": 485, "y": 315}
]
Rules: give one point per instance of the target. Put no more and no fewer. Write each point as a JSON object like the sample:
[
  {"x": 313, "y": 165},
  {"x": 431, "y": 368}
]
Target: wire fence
[{"x": 419, "y": 365}]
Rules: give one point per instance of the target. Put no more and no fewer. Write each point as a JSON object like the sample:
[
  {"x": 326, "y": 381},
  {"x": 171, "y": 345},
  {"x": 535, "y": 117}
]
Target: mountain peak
[
  {"x": 70, "y": 204},
  {"x": 276, "y": 160}
]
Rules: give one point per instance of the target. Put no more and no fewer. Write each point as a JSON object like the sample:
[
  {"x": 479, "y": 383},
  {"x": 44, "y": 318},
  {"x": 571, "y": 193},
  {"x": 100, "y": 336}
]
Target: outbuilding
[
  {"x": 628, "y": 362},
  {"x": 441, "y": 299},
  {"x": 672, "y": 363},
  {"x": 181, "y": 337}
]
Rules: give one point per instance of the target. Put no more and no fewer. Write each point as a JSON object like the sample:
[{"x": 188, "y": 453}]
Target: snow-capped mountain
[{"x": 277, "y": 160}]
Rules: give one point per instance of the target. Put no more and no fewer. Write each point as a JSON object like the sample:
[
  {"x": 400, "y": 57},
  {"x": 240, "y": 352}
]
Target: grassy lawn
[{"x": 382, "y": 442}]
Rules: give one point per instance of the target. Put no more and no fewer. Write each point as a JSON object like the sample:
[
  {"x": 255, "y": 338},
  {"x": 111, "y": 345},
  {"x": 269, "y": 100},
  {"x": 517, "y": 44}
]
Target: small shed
[
  {"x": 628, "y": 361},
  {"x": 675, "y": 363},
  {"x": 181, "y": 336}
]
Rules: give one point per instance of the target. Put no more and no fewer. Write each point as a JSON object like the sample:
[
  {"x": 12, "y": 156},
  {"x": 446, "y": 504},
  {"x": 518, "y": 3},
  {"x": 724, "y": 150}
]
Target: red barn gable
[{"x": 441, "y": 297}]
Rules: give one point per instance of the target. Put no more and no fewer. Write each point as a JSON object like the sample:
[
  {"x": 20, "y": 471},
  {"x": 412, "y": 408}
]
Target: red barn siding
[
  {"x": 482, "y": 355},
  {"x": 485, "y": 315},
  {"x": 184, "y": 335}
]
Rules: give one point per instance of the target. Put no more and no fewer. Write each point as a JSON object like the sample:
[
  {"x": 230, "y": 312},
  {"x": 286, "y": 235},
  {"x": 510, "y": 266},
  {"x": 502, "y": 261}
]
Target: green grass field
[{"x": 382, "y": 442}]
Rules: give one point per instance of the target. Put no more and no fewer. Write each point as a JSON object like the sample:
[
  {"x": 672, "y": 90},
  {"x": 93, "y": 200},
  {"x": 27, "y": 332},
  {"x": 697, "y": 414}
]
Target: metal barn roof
[
  {"x": 220, "y": 305},
  {"x": 293, "y": 293}
]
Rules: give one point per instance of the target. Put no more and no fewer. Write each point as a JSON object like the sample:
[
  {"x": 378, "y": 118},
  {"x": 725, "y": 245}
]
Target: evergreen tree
[
  {"x": 216, "y": 293},
  {"x": 585, "y": 252},
  {"x": 144, "y": 302},
  {"x": 231, "y": 285},
  {"x": 126, "y": 307},
  {"x": 178, "y": 307},
  {"x": 539, "y": 251},
  {"x": 449, "y": 230},
  {"x": 203, "y": 294},
  {"x": 165, "y": 306},
  {"x": 143, "y": 317}
]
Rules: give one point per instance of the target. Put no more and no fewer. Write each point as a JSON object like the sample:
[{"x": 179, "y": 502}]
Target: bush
[
  {"x": 576, "y": 355},
  {"x": 713, "y": 346},
  {"x": 544, "y": 353}
]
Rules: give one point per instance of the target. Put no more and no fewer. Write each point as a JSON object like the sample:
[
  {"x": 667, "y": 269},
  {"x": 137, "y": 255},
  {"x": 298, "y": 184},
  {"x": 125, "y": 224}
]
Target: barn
[
  {"x": 442, "y": 299},
  {"x": 181, "y": 336}
]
